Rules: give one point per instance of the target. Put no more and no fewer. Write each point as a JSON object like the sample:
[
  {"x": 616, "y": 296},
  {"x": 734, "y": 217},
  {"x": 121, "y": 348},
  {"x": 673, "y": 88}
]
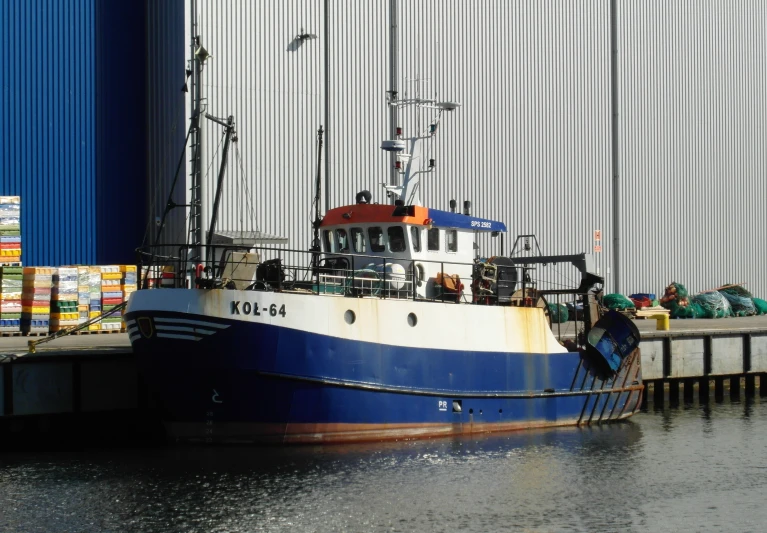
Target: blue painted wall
[
  {"x": 120, "y": 104},
  {"x": 47, "y": 141},
  {"x": 166, "y": 122},
  {"x": 74, "y": 141}
]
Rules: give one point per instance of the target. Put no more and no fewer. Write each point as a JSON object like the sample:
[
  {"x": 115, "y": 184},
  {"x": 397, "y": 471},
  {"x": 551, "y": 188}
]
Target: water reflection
[{"x": 667, "y": 470}]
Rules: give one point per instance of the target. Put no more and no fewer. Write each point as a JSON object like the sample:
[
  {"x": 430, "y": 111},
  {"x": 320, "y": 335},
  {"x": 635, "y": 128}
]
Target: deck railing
[{"x": 336, "y": 274}]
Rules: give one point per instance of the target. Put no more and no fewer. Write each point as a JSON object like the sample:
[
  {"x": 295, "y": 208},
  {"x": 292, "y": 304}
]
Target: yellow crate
[
  {"x": 10, "y": 252},
  {"x": 83, "y": 307},
  {"x": 94, "y": 314},
  {"x": 128, "y": 288},
  {"x": 15, "y": 295},
  {"x": 127, "y": 268},
  {"x": 36, "y": 309},
  {"x": 94, "y": 327},
  {"x": 64, "y": 316},
  {"x": 111, "y": 275}
]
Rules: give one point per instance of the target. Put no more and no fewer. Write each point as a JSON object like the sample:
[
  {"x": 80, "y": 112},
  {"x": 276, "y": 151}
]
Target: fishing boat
[{"x": 392, "y": 326}]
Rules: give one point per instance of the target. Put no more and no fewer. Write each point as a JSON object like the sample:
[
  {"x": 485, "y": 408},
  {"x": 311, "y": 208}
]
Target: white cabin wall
[{"x": 531, "y": 144}]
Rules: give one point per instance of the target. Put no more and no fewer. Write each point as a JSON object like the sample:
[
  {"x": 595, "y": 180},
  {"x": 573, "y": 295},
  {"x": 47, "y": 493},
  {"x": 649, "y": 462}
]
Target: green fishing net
[
  {"x": 713, "y": 305},
  {"x": 760, "y": 305},
  {"x": 558, "y": 313},
  {"x": 737, "y": 290},
  {"x": 691, "y": 310},
  {"x": 741, "y": 305},
  {"x": 617, "y": 302},
  {"x": 677, "y": 302}
]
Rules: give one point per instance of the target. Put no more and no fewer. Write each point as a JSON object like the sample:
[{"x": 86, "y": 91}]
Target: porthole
[
  {"x": 412, "y": 320},
  {"x": 350, "y": 317}
]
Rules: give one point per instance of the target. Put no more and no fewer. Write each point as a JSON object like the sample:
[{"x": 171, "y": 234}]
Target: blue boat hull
[{"x": 265, "y": 383}]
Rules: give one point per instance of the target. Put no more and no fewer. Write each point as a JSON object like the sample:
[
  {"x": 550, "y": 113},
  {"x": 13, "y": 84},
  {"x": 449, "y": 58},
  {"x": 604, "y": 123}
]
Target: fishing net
[
  {"x": 737, "y": 290},
  {"x": 741, "y": 305},
  {"x": 713, "y": 305},
  {"x": 617, "y": 302},
  {"x": 677, "y": 302},
  {"x": 760, "y": 305},
  {"x": 687, "y": 310},
  {"x": 558, "y": 313}
]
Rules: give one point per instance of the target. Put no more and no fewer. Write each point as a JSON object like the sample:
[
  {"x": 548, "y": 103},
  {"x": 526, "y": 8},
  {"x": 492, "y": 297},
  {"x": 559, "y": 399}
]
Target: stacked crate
[
  {"x": 36, "y": 299},
  {"x": 129, "y": 286},
  {"x": 129, "y": 281},
  {"x": 10, "y": 230},
  {"x": 10, "y": 299},
  {"x": 64, "y": 311},
  {"x": 94, "y": 289},
  {"x": 111, "y": 296},
  {"x": 83, "y": 294}
]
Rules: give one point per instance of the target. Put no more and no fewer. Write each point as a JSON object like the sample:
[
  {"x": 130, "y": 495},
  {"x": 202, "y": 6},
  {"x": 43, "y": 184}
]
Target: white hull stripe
[
  {"x": 131, "y": 323},
  {"x": 177, "y": 336},
  {"x": 162, "y": 320},
  {"x": 199, "y": 331},
  {"x": 134, "y": 336}
]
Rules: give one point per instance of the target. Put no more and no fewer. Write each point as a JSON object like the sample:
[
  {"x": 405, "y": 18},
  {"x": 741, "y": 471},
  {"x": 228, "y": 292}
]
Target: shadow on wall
[{"x": 299, "y": 40}]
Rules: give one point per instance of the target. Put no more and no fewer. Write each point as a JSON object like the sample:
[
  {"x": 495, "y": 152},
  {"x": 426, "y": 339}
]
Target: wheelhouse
[{"x": 418, "y": 245}]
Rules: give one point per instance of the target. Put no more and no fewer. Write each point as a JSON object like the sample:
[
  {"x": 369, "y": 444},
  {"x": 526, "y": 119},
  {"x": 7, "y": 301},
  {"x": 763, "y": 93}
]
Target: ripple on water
[{"x": 684, "y": 469}]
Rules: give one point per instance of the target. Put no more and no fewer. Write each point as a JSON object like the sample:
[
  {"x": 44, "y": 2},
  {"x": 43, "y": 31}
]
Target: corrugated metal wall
[
  {"x": 273, "y": 86},
  {"x": 693, "y": 125},
  {"x": 165, "y": 118},
  {"x": 72, "y": 135},
  {"x": 120, "y": 183},
  {"x": 47, "y": 131},
  {"x": 531, "y": 144}
]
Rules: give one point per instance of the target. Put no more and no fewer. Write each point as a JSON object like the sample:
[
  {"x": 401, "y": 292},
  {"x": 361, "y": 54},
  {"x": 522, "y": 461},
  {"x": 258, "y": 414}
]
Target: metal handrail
[{"x": 349, "y": 264}]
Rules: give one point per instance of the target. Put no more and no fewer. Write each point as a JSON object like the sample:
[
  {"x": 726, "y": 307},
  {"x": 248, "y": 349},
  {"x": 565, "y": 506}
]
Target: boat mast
[
  {"x": 317, "y": 218},
  {"x": 229, "y": 127},
  {"x": 393, "y": 116},
  {"x": 415, "y": 165},
  {"x": 195, "y": 211}
]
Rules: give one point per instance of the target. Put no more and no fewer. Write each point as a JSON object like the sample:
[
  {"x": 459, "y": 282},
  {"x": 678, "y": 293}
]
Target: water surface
[{"x": 694, "y": 468}]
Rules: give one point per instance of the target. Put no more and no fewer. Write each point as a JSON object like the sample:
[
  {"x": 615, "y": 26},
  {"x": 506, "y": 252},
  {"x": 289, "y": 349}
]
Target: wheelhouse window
[
  {"x": 452, "y": 240},
  {"x": 358, "y": 240},
  {"x": 396, "y": 238},
  {"x": 415, "y": 235},
  {"x": 433, "y": 238},
  {"x": 375, "y": 236},
  {"x": 327, "y": 239},
  {"x": 342, "y": 240}
]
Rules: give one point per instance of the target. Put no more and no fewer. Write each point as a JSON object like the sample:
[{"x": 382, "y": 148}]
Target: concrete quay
[{"x": 75, "y": 390}]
